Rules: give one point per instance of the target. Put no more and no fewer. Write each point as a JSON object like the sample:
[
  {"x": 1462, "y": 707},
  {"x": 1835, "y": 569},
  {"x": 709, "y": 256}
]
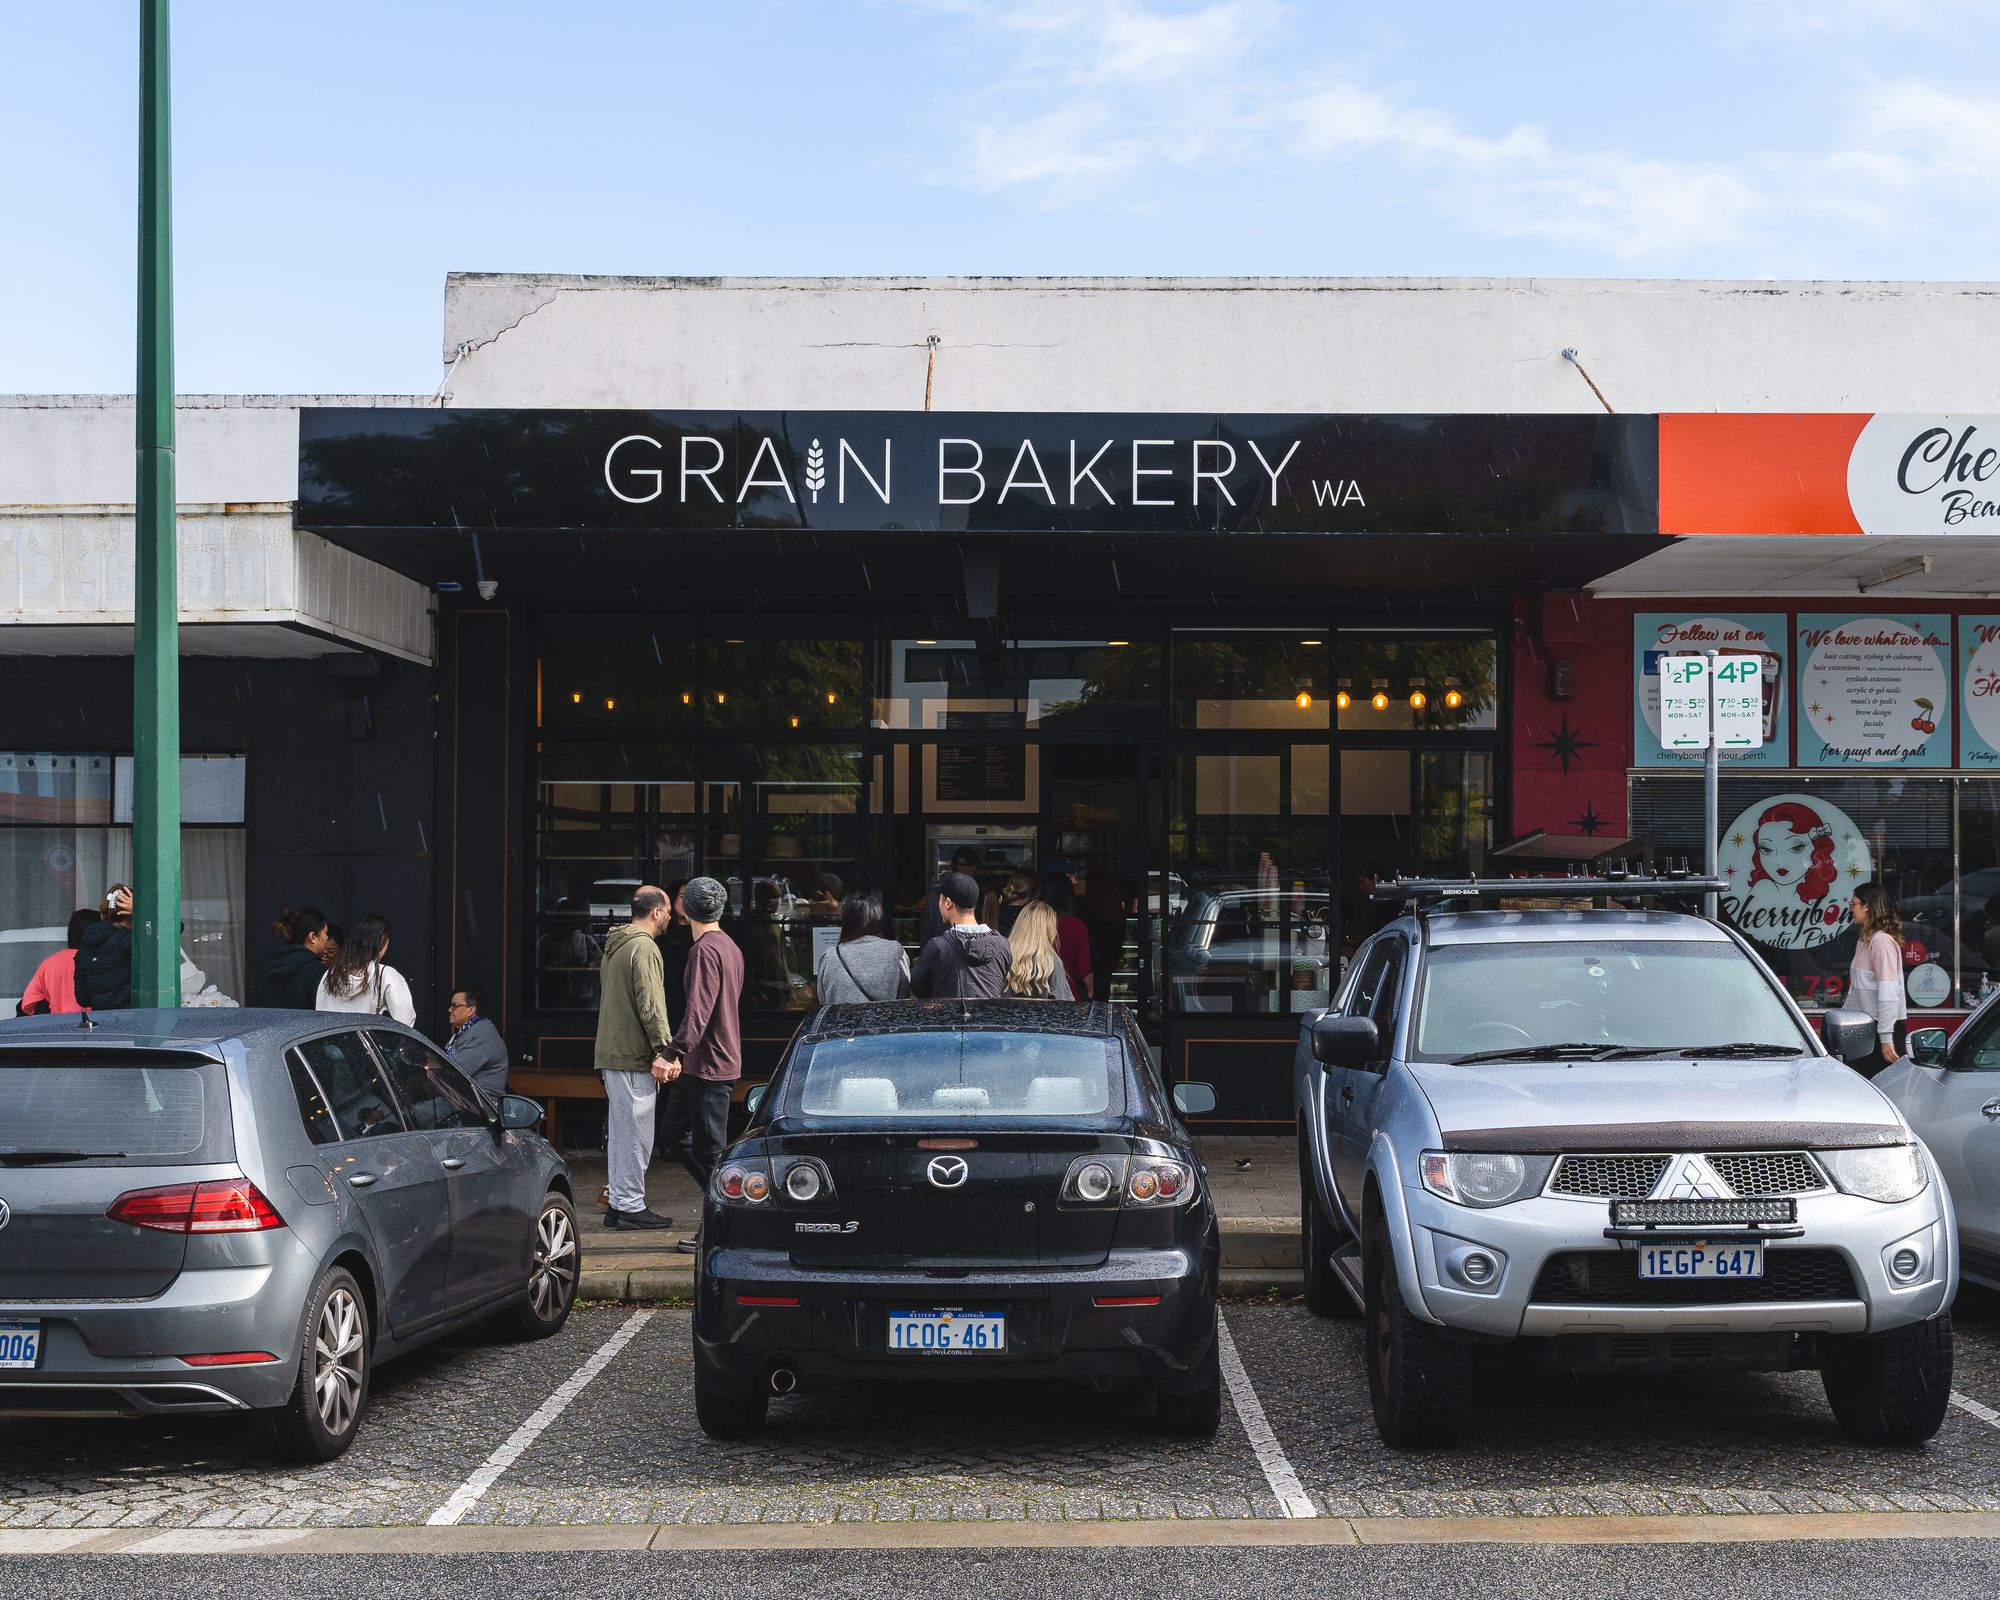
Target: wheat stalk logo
[{"x": 815, "y": 470}]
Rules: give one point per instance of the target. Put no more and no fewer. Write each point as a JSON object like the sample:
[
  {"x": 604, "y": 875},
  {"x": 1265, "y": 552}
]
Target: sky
[{"x": 333, "y": 162}]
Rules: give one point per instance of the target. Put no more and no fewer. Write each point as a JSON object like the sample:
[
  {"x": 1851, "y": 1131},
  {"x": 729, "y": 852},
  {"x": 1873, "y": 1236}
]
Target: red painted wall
[{"x": 1570, "y": 756}]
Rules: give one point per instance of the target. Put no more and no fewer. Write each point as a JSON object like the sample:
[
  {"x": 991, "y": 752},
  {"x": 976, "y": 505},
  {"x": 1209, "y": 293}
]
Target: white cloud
[{"x": 1112, "y": 103}]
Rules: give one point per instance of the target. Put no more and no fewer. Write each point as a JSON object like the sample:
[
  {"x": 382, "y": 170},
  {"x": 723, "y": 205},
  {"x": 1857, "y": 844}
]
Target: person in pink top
[
  {"x": 1875, "y": 981},
  {"x": 52, "y": 990}
]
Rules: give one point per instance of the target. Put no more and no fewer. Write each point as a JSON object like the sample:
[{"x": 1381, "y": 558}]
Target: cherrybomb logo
[
  {"x": 1792, "y": 863},
  {"x": 1926, "y": 475}
]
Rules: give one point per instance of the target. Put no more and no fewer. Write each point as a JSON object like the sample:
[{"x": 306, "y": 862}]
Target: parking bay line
[
  {"x": 469, "y": 1493},
  {"x": 1973, "y": 1408},
  {"x": 1293, "y": 1501}
]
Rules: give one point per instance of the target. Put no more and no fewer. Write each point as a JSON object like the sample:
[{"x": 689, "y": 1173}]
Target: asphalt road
[
  {"x": 449, "y": 1438},
  {"x": 1884, "y": 1568}
]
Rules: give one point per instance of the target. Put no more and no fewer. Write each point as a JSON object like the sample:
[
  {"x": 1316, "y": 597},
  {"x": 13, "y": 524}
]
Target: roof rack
[{"x": 1607, "y": 884}]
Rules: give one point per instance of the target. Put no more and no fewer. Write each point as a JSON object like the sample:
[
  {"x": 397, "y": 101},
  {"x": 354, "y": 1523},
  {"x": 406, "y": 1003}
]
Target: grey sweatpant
[{"x": 628, "y": 1135}]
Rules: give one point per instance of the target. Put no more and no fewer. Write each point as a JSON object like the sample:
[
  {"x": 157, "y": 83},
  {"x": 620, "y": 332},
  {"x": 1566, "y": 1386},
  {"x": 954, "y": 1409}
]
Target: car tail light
[
  {"x": 1094, "y": 1180},
  {"x": 233, "y": 1358},
  {"x": 742, "y": 1183},
  {"x": 767, "y": 1299},
  {"x": 809, "y": 1182},
  {"x": 1157, "y": 1181},
  {"x": 222, "y": 1205}
]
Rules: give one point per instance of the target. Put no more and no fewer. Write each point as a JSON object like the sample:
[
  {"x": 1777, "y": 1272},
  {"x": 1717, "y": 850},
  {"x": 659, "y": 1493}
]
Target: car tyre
[
  {"x": 1325, "y": 1295},
  {"x": 321, "y": 1419},
  {"x": 555, "y": 1262},
  {"x": 1194, "y": 1413},
  {"x": 1892, "y": 1388},
  {"x": 729, "y": 1416},
  {"x": 1419, "y": 1381}
]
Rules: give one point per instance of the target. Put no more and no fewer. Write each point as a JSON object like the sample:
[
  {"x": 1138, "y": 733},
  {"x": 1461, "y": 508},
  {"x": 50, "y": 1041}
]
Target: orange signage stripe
[{"x": 1757, "y": 472}]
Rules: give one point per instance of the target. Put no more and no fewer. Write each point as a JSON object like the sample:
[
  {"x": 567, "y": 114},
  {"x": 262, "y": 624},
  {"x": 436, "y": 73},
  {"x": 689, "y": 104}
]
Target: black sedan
[{"x": 961, "y": 1190}]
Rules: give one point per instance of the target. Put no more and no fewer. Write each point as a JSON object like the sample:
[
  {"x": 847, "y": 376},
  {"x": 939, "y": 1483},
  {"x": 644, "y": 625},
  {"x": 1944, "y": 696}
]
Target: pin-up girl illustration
[{"x": 1793, "y": 849}]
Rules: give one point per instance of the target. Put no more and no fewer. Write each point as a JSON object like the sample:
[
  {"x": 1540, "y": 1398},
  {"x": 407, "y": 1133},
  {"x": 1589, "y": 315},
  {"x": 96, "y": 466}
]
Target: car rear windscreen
[
  {"x": 965, "y": 1076},
  {"x": 105, "y": 1112}
]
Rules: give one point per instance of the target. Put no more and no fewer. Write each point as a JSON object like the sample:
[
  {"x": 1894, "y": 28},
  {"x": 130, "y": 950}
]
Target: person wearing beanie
[
  {"x": 707, "y": 1046},
  {"x": 968, "y": 961}
]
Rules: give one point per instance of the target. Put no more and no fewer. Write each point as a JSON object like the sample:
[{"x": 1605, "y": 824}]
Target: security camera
[{"x": 488, "y": 588}]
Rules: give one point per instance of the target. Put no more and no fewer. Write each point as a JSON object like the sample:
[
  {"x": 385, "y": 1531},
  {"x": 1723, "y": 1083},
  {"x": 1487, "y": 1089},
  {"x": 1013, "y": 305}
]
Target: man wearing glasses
[{"x": 475, "y": 1046}]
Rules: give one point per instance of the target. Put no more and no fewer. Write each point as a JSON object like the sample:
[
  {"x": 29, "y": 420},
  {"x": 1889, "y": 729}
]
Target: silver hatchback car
[
  {"x": 1610, "y": 1138},
  {"x": 248, "y": 1210}
]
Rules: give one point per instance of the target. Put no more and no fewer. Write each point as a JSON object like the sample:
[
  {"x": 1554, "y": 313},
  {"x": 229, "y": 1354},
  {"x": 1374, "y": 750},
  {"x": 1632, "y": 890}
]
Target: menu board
[
  {"x": 1979, "y": 691},
  {"x": 1874, "y": 691},
  {"x": 1674, "y": 633},
  {"x": 989, "y": 773}
]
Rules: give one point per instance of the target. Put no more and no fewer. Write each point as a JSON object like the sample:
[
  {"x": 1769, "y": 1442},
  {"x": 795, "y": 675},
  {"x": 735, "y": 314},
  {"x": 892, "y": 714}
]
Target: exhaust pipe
[{"x": 783, "y": 1380}]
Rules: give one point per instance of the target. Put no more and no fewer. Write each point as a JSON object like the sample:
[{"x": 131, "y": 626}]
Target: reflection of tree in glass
[
  {"x": 1467, "y": 664},
  {"x": 769, "y": 682}
]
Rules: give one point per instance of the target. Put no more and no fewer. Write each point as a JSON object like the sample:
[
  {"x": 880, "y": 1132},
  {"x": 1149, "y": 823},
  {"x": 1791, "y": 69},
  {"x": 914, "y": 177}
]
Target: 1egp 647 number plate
[
  {"x": 948, "y": 1333},
  {"x": 1699, "y": 1259}
]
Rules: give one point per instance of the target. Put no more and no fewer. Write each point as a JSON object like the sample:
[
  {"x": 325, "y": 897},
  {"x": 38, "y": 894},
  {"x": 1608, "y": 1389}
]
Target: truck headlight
[
  {"x": 1482, "y": 1178},
  {"x": 1887, "y": 1173}
]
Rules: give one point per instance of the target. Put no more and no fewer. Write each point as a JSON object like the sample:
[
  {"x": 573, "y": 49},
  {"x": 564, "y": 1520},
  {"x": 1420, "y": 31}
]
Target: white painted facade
[{"x": 250, "y": 584}]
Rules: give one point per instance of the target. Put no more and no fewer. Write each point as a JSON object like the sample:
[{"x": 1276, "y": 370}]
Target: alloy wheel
[
  {"x": 553, "y": 1277},
  {"x": 339, "y": 1350}
]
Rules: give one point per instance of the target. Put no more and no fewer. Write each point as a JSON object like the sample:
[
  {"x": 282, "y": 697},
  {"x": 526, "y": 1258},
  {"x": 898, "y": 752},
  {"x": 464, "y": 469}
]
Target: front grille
[
  {"x": 1768, "y": 1171},
  {"x": 1614, "y": 1177},
  {"x": 1611, "y": 1278}
]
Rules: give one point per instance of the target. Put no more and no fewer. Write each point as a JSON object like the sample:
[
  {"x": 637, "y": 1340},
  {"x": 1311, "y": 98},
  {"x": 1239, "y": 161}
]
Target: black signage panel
[{"x": 975, "y": 472}]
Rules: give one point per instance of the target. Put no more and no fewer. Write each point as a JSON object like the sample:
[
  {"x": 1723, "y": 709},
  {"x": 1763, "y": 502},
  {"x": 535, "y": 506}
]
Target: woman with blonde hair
[{"x": 1037, "y": 971}]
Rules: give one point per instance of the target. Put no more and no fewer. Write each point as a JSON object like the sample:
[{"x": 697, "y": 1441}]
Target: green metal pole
[{"x": 156, "y": 704}]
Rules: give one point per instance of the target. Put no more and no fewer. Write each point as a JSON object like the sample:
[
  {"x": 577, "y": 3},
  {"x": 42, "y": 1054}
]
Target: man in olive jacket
[{"x": 633, "y": 1035}]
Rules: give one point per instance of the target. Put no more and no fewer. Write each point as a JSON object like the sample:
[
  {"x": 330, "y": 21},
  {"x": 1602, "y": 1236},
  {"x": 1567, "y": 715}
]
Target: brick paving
[{"x": 628, "y": 1450}]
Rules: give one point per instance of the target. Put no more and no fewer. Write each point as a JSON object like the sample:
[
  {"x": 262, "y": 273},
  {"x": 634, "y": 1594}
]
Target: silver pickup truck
[{"x": 1609, "y": 1137}]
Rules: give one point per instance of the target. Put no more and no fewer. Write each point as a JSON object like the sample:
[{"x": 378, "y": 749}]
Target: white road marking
[
  {"x": 1293, "y": 1500},
  {"x": 469, "y": 1493},
  {"x": 1972, "y": 1407}
]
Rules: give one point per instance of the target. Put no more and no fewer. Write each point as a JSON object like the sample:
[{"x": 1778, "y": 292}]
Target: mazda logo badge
[
  {"x": 6, "y": 1214},
  {"x": 947, "y": 1172}
]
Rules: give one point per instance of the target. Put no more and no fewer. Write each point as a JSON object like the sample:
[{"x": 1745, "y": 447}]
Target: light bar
[
  {"x": 1495, "y": 888},
  {"x": 1700, "y": 1213}
]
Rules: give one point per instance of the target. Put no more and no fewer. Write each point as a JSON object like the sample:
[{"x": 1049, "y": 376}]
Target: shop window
[
  {"x": 633, "y": 681},
  {"x": 66, "y": 836},
  {"x": 1425, "y": 685},
  {"x": 781, "y": 684},
  {"x": 1794, "y": 849},
  {"x": 1267, "y": 680},
  {"x": 1244, "y": 927},
  {"x": 1050, "y": 684}
]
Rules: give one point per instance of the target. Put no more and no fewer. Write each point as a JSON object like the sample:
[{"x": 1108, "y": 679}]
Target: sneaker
[
  {"x": 688, "y": 1247},
  {"x": 636, "y": 1219}
]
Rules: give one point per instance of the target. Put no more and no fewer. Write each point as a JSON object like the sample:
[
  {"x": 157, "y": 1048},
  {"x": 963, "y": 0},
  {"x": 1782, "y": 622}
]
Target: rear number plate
[
  {"x": 1701, "y": 1260},
  {"x": 953, "y": 1333},
  {"x": 20, "y": 1342}
]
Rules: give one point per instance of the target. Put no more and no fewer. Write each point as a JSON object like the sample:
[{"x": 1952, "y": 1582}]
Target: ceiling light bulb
[
  {"x": 1303, "y": 699},
  {"x": 576, "y": 699},
  {"x": 1343, "y": 700},
  {"x": 1418, "y": 700},
  {"x": 1379, "y": 701},
  {"x": 1453, "y": 699},
  {"x": 610, "y": 705}
]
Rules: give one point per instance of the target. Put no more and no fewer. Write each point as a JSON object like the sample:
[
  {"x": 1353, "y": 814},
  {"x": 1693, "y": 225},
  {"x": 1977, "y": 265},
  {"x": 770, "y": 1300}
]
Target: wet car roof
[
  {"x": 208, "y": 1027},
  {"x": 1488, "y": 927},
  {"x": 1089, "y": 1018}
]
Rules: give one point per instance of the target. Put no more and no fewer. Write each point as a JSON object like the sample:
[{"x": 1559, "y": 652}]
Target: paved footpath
[{"x": 594, "y": 1430}]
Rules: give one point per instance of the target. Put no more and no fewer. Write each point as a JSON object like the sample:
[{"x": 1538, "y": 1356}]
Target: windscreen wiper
[
  {"x": 1537, "y": 1052},
  {"x": 36, "y": 1158},
  {"x": 1742, "y": 1050}
]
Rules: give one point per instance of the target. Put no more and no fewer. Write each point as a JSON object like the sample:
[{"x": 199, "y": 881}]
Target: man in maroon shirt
[{"x": 708, "y": 1039}]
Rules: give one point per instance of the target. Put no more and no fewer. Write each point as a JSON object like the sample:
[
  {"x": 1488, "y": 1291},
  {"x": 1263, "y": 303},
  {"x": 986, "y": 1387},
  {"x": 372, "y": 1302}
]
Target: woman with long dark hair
[
  {"x": 1057, "y": 891},
  {"x": 866, "y": 964},
  {"x": 297, "y": 965},
  {"x": 1875, "y": 981},
  {"x": 359, "y": 980}
]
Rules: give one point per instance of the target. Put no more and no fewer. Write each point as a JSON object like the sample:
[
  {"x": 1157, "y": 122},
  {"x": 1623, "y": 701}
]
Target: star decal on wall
[
  {"x": 1590, "y": 824},
  {"x": 1567, "y": 745}
]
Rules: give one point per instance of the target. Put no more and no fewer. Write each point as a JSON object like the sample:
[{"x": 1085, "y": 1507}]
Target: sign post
[{"x": 1711, "y": 703}]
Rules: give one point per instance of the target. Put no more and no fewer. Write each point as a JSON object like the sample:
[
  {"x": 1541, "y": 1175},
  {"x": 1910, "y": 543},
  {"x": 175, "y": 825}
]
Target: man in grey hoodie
[{"x": 968, "y": 961}]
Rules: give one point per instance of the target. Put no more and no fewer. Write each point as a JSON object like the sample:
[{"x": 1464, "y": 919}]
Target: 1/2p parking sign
[{"x": 1711, "y": 696}]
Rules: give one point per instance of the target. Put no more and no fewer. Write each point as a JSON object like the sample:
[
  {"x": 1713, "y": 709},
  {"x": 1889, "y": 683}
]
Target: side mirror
[
  {"x": 1850, "y": 1035},
  {"x": 518, "y": 1111},
  {"x": 1345, "y": 1041},
  {"x": 1194, "y": 1099},
  {"x": 754, "y": 1097},
  {"x": 1929, "y": 1047}
]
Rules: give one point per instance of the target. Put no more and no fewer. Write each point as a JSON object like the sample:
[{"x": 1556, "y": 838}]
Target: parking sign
[
  {"x": 1739, "y": 702},
  {"x": 1735, "y": 686},
  {"x": 1684, "y": 697}
]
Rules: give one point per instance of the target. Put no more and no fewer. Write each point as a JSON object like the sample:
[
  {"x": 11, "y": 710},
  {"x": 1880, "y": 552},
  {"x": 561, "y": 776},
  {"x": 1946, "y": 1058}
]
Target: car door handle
[
  {"x": 452, "y": 1163},
  {"x": 1990, "y": 1109},
  {"x": 361, "y": 1180}
]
